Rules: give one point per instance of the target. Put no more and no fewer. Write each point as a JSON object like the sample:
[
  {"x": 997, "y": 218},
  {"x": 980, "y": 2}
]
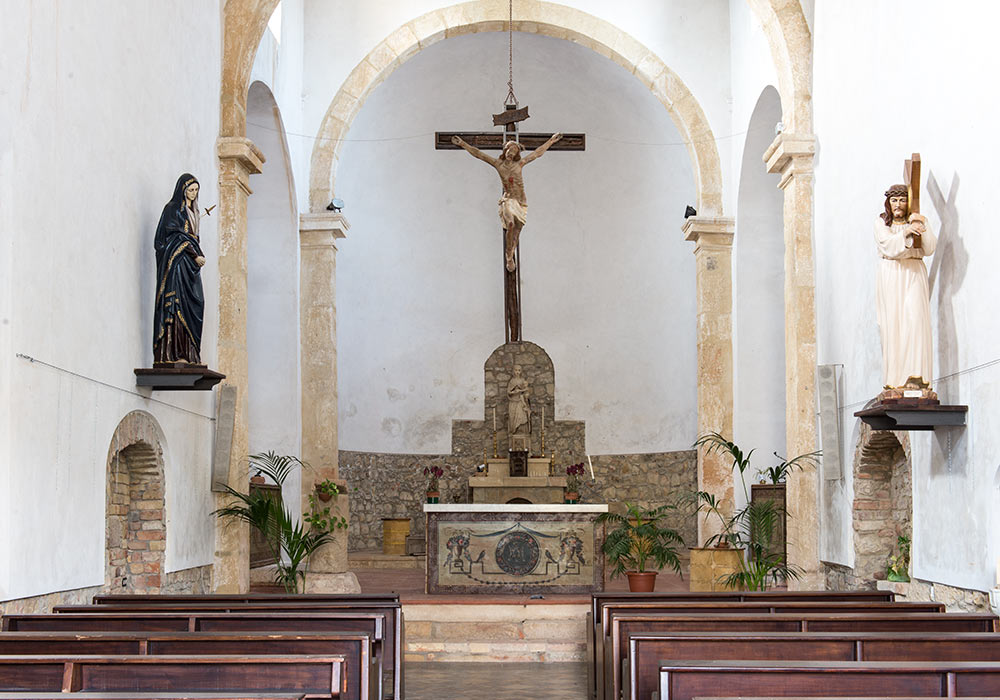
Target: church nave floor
[{"x": 496, "y": 681}]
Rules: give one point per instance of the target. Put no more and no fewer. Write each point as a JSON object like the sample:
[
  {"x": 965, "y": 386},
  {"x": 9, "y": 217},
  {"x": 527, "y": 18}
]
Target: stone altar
[{"x": 514, "y": 548}]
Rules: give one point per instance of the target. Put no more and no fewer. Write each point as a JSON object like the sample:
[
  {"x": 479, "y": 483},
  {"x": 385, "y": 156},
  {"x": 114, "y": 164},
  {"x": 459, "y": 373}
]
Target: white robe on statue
[{"x": 902, "y": 300}]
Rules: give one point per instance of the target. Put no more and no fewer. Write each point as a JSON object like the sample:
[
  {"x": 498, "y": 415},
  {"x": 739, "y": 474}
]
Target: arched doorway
[{"x": 136, "y": 531}]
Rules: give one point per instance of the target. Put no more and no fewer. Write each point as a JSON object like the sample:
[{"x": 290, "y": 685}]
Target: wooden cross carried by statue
[
  {"x": 513, "y": 203},
  {"x": 911, "y": 178}
]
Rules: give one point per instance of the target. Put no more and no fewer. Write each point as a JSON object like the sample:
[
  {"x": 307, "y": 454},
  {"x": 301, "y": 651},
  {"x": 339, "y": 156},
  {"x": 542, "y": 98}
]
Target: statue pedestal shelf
[
  {"x": 498, "y": 486},
  {"x": 178, "y": 377},
  {"x": 912, "y": 414}
]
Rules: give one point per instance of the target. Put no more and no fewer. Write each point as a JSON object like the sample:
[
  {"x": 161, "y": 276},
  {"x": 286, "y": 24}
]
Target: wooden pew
[
  {"x": 166, "y": 695},
  {"x": 392, "y": 610},
  {"x": 646, "y": 652},
  {"x": 625, "y": 625},
  {"x": 770, "y": 605},
  {"x": 387, "y": 654},
  {"x": 599, "y": 600},
  {"x": 685, "y": 680},
  {"x": 316, "y": 676},
  {"x": 361, "y": 669},
  {"x": 156, "y": 598}
]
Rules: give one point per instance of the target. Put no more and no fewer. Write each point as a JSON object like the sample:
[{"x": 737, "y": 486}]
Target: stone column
[
  {"x": 791, "y": 156},
  {"x": 713, "y": 246},
  {"x": 318, "y": 233},
  {"x": 238, "y": 160}
]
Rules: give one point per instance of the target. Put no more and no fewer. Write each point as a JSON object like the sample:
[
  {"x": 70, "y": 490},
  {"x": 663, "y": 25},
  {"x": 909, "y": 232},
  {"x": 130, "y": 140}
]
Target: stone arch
[
  {"x": 243, "y": 25},
  {"x": 883, "y": 500},
  {"x": 790, "y": 40},
  {"x": 135, "y": 531},
  {"x": 541, "y": 17}
]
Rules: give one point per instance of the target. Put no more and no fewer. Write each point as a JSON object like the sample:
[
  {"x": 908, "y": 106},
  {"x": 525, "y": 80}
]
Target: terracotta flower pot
[
  {"x": 571, "y": 496},
  {"x": 641, "y": 581},
  {"x": 257, "y": 479},
  {"x": 324, "y": 495},
  {"x": 433, "y": 496}
]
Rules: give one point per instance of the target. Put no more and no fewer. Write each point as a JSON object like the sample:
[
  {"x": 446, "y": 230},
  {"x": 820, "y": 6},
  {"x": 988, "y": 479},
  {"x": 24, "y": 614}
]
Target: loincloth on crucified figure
[{"x": 513, "y": 215}]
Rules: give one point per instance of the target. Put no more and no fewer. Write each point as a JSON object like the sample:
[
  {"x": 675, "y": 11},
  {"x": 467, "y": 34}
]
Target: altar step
[
  {"x": 495, "y": 632},
  {"x": 378, "y": 560}
]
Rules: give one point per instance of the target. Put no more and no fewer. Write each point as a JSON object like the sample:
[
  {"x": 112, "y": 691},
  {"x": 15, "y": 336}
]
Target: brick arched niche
[
  {"x": 883, "y": 500},
  {"x": 136, "y": 532}
]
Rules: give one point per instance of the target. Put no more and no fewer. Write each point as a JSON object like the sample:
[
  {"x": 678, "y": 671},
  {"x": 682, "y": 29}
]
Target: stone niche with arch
[
  {"x": 882, "y": 510},
  {"x": 136, "y": 532}
]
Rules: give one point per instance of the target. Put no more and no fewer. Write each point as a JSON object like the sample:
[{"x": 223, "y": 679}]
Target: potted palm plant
[
  {"x": 291, "y": 542},
  {"x": 640, "y": 538},
  {"x": 750, "y": 531}
]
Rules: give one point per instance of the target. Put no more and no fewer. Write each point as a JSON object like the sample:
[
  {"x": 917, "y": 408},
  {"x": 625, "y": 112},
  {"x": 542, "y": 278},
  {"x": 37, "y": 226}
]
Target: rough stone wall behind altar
[{"x": 386, "y": 485}]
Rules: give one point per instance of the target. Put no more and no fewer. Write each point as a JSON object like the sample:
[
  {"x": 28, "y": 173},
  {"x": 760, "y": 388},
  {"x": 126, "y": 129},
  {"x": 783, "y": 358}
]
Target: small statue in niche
[
  {"x": 518, "y": 411},
  {"x": 180, "y": 302},
  {"x": 513, "y": 204},
  {"x": 902, "y": 296}
]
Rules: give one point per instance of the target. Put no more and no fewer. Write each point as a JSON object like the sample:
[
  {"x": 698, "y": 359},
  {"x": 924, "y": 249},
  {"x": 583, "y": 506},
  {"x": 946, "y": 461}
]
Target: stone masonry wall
[
  {"x": 393, "y": 485},
  {"x": 842, "y": 578}
]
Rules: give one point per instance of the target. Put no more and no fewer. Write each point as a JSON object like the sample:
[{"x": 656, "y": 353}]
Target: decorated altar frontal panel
[{"x": 514, "y": 549}]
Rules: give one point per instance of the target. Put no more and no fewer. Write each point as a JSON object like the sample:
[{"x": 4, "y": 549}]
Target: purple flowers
[{"x": 433, "y": 474}]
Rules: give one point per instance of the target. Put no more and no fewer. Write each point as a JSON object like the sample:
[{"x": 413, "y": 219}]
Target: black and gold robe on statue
[{"x": 180, "y": 302}]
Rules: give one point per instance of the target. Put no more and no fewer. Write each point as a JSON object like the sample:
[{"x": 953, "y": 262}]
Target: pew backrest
[
  {"x": 644, "y": 653},
  {"x": 321, "y": 676}
]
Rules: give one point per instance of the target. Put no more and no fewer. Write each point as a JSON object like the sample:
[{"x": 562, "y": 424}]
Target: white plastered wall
[
  {"x": 690, "y": 36},
  {"x": 608, "y": 281},
  {"x": 102, "y": 122},
  {"x": 758, "y": 248},
  {"x": 874, "y": 105},
  {"x": 273, "y": 293}
]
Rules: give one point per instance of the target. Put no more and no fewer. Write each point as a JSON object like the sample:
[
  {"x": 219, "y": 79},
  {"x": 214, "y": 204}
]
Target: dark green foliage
[
  {"x": 291, "y": 542},
  {"x": 640, "y": 537}
]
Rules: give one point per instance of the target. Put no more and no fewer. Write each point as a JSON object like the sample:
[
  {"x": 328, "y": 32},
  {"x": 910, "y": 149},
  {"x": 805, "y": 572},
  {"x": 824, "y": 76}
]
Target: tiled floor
[{"x": 460, "y": 681}]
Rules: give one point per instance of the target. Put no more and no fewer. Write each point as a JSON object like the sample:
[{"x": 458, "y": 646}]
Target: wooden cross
[
  {"x": 911, "y": 178},
  {"x": 494, "y": 141}
]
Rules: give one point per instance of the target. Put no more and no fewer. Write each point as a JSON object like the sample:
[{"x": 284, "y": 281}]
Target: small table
[{"x": 514, "y": 548}]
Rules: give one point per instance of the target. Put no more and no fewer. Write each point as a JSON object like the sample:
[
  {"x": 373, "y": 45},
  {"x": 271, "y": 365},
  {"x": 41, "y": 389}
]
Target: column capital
[
  {"x": 709, "y": 231},
  {"x": 243, "y": 151},
  {"x": 321, "y": 229},
  {"x": 790, "y": 155}
]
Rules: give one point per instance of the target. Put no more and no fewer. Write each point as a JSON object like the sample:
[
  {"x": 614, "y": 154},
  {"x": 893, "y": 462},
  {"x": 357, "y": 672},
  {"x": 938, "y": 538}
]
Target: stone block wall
[
  {"x": 393, "y": 485},
  {"x": 843, "y": 578}
]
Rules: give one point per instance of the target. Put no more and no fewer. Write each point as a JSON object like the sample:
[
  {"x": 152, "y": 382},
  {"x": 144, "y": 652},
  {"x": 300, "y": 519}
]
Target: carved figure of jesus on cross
[{"x": 513, "y": 204}]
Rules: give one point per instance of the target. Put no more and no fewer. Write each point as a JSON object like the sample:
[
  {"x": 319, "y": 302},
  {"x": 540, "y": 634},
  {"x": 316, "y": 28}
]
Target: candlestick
[
  {"x": 998, "y": 572},
  {"x": 543, "y": 430},
  {"x": 494, "y": 419},
  {"x": 495, "y": 455},
  {"x": 591, "y": 468}
]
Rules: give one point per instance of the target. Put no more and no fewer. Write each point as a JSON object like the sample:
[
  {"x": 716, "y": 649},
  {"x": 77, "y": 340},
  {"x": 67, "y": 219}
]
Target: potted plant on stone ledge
[
  {"x": 433, "y": 475},
  {"x": 640, "y": 538},
  {"x": 741, "y": 555},
  {"x": 573, "y": 483}
]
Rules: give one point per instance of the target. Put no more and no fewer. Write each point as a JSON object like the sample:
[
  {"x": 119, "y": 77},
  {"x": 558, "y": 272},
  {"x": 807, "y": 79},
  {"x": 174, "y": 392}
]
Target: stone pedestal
[
  {"x": 709, "y": 564},
  {"x": 328, "y": 566},
  {"x": 713, "y": 239}
]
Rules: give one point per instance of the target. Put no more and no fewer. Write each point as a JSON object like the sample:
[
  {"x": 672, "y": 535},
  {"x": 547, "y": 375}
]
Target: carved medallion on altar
[{"x": 514, "y": 548}]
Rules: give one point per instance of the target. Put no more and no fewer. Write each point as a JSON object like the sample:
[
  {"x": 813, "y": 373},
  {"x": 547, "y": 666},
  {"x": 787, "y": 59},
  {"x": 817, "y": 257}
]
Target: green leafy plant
[
  {"x": 291, "y": 542},
  {"x": 640, "y": 537},
  {"x": 899, "y": 564},
  {"x": 778, "y": 474},
  {"x": 754, "y": 527}
]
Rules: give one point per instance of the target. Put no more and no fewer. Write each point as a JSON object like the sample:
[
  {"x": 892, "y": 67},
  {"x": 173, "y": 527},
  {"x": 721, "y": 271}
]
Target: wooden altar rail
[
  {"x": 361, "y": 670},
  {"x": 646, "y": 652},
  {"x": 624, "y": 625},
  {"x": 315, "y": 676},
  {"x": 598, "y": 601},
  {"x": 387, "y": 654},
  {"x": 686, "y": 680}
]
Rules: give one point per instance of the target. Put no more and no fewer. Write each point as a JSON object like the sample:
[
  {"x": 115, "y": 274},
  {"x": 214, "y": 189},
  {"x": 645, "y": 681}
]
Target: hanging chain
[{"x": 511, "y": 97}]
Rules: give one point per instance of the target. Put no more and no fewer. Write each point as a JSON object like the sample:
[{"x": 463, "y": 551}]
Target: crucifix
[{"x": 513, "y": 203}]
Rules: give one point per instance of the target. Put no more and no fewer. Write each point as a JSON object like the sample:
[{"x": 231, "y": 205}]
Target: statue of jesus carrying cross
[{"x": 513, "y": 202}]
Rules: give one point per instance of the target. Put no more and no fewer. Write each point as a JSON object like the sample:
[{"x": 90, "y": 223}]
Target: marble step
[{"x": 495, "y": 632}]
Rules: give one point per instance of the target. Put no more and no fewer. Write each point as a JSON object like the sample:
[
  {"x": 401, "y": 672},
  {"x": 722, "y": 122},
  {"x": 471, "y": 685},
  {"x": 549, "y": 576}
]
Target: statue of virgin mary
[{"x": 180, "y": 302}]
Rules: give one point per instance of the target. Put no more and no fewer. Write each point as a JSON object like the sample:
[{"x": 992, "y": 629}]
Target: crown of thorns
[{"x": 897, "y": 191}]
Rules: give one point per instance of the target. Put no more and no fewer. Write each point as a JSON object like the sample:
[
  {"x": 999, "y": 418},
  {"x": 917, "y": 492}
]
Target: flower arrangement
[
  {"x": 574, "y": 474},
  {"x": 433, "y": 474}
]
